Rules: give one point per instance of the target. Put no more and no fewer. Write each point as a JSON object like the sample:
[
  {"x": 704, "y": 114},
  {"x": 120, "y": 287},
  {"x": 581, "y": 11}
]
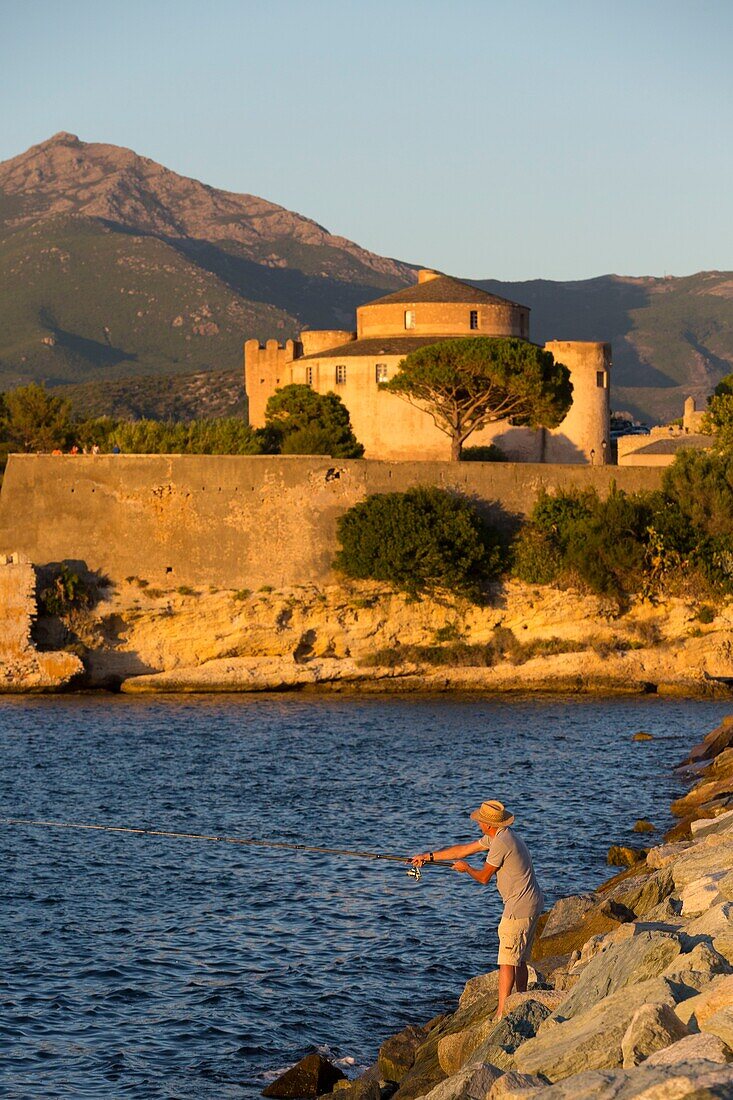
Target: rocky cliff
[{"x": 526, "y": 639}]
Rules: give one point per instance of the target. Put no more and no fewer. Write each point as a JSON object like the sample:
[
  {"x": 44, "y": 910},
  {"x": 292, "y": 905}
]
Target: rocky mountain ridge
[{"x": 117, "y": 268}]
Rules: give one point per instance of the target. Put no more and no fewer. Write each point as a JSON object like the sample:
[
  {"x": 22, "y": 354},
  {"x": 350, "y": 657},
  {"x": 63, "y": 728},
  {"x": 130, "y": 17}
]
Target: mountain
[
  {"x": 113, "y": 266},
  {"x": 117, "y": 273}
]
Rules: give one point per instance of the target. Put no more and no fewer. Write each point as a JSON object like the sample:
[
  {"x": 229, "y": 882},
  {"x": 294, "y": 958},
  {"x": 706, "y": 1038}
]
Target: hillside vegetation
[{"x": 114, "y": 268}]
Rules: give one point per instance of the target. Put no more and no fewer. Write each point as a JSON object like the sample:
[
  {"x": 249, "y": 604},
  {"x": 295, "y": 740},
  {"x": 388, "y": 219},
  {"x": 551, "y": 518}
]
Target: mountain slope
[
  {"x": 113, "y": 265},
  {"x": 114, "y": 268}
]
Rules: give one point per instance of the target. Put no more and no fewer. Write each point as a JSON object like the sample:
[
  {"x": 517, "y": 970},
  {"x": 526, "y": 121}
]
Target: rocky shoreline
[{"x": 631, "y": 991}]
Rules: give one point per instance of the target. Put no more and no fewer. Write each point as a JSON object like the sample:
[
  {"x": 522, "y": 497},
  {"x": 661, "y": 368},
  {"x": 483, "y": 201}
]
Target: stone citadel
[{"x": 353, "y": 363}]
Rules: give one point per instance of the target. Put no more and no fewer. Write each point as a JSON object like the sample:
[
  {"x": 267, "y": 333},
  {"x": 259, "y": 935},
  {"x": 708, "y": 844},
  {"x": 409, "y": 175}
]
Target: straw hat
[{"x": 493, "y": 813}]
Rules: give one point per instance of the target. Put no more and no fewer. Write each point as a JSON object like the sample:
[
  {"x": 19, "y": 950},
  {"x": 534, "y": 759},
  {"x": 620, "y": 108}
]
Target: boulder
[
  {"x": 623, "y": 855},
  {"x": 397, "y": 1054},
  {"x": 716, "y": 924},
  {"x": 487, "y": 985},
  {"x": 550, "y": 998},
  {"x": 311, "y": 1076},
  {"x": 456, "y": 1049},
  {"x": 687, "y": 1081},
  {"x": 590, "y": 1039},
  {"x": 644, "y": 896},
  {"x": 644, "y": 826},
  {"x": 652, "y": 1027},
  {"x": 515, "y": 1086},
  {"x": 700, "y": 895},
  {"x": 594, "y": 923},
  {"x": 725, "y": 886},
  {"x": 697, "y": 967},
  {"x": 696, "y": 1010},
  {"x": 720, "y": 1024},
  {"x": 691, "y": 1048},
  {"x": 642, "y": 735},
  {"x": 426, "y": 1071},
  {"x": 567, "y": 913},
  {"x": 471, "y": 1083},
  {"x": 706, "y": 826},
  {"x": 713, "y": 743},
  {"x": 629, "y": 962},
  {"x": 510, "y": 1032},
  {"x": 701, "y": 859},
  {"x": 707, "y": 790},
  {"x": 665, "y": 853}
]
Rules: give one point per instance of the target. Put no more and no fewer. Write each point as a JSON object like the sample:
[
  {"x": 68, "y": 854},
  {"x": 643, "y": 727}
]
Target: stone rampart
[{"x": 238, "y": 521}]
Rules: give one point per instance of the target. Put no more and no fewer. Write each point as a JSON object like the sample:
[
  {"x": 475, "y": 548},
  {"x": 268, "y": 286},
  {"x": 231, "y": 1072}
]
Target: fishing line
[{"x": 413, "y": 872}]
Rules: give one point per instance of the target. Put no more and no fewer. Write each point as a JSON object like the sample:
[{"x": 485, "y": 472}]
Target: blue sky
[{"x": 487, "y": 139}]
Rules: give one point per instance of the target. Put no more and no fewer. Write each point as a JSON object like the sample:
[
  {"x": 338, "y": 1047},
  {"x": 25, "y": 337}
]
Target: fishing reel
[{"x": 414, "y": 872}]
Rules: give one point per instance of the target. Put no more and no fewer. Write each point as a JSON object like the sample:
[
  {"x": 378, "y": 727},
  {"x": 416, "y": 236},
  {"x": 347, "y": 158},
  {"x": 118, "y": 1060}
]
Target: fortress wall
[
  {"x": 236, "y": 521},
  {"x": 266, "y": 368}
]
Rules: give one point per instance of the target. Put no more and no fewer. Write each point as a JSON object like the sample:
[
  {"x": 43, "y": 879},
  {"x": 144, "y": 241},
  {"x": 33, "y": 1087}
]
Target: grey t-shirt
[{"x": 515, "y": 877}]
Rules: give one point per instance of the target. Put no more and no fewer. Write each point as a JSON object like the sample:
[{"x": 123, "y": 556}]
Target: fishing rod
[{"x": 412, "y": 871}]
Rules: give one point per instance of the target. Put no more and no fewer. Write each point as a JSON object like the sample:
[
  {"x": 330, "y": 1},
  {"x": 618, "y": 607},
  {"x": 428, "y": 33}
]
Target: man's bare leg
[
  {"x": 506, "y": 982},
  {"x": 522, "y": 977}
]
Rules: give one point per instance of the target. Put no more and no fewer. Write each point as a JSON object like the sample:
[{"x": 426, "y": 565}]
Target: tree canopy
[
  {"x": 307, "y": 422},
  {"x": 34, "y": 420},
  {"x": 718, "y": 420},
  {"x": 465, "y": 384}
]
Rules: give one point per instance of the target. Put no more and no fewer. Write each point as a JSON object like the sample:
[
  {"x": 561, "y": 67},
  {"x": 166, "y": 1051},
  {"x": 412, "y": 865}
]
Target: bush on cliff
[
  {"x": 306, "y": 422},
  {"x": 421, "y": 540}
]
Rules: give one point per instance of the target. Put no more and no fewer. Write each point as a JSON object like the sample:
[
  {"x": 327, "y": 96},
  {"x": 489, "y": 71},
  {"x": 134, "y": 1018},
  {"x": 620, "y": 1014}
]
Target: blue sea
[{"x": 153, "y": 967}]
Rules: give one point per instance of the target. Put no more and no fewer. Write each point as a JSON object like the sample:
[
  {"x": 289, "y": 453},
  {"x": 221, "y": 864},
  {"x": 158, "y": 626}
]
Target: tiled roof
[
  {"x": 442, "y": 289},
  {"x": 385, "y": 345},
  {"x": 674, "y": 444}
]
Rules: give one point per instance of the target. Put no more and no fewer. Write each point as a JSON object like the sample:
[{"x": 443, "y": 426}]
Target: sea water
[{"x": 150, "y": 967}]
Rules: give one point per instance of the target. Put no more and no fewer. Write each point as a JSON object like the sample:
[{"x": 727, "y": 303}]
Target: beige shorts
[{"x": 516, "y": 935}]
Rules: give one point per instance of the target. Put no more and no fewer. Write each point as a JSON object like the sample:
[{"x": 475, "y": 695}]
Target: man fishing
[{"x": 507, "y": 857}]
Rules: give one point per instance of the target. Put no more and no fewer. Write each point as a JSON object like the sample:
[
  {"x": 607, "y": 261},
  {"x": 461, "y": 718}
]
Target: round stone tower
[{"x": 585, "y": 432}]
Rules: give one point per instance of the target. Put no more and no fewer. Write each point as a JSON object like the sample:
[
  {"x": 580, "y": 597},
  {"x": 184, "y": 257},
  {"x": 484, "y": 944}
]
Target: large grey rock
[
  {"x": 591, "y": 1039},
  {"x": 702, "y": 859},
  {"x": 717, "y": 994},
  {"x": 568, "y": 913},
  {"x": 716, "y": 924},
  {"x": 397, "y": 1054},
  {"x": 514, "y": 1028},
  {"x": 487, "y": 985},
  {"x": 471, "y": 1083},
  {"x": 515, "y": 1086},
  {"x": 698, "y": 967},
  {"x": 691, "y": 1048},
  {"x": 707, "y": 825},
  {"x": 647, "y": 894},
  {"x": 652, "y": 1027},
  {"x": 687, "y": 1081},
  {"x": 629, "y": 962},
  {"x": 700, "y": 895},
  {"x": 311, "y": 1076}
]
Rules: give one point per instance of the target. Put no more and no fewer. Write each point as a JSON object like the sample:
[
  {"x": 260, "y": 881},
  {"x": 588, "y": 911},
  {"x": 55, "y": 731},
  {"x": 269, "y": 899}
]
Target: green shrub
[
  {"x": 242, "y": 594},
  {"x": 489, "y": 453},
  {"x": 186, "y": 590},
  {"x": 418, "y": 541},
  {"x": 706, "y": 614},
  {"x": 65, "y": 592}
]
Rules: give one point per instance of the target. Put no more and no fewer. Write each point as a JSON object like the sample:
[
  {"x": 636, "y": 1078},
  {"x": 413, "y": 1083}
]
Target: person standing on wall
[{"x": 507, "y": 857}]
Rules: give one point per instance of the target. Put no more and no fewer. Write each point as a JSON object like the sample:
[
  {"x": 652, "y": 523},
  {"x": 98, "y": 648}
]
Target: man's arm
[
  {"x": 481, "y": 876},
  {"x": 456, "y": 851}
]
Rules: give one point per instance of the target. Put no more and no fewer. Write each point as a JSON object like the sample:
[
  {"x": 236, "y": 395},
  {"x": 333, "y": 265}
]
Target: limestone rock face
[
  {"x": 696, "y": 1010},
  {"x": 652, "y": 1027},
  {"x": 632, "y": 961},
  {"x": 591, "y": 1039},
  {"x": 311, "y": 1076},
  {"x": 646, "y": 895},
  {"x": 707, "y": 826},
  {"x": 702, "y": 859}
]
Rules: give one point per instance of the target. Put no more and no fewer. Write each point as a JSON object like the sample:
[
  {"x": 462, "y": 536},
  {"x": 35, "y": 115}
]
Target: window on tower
[
  {"x": 473, "y": 319},
  {"x": 409, "y": 318}
]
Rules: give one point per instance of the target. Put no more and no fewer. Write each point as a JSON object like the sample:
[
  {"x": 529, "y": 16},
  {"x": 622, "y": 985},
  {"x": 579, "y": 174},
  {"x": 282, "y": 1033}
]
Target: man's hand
[
  {"x": 462, "y": 866},
  {"x": 417, "y": 861}
]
